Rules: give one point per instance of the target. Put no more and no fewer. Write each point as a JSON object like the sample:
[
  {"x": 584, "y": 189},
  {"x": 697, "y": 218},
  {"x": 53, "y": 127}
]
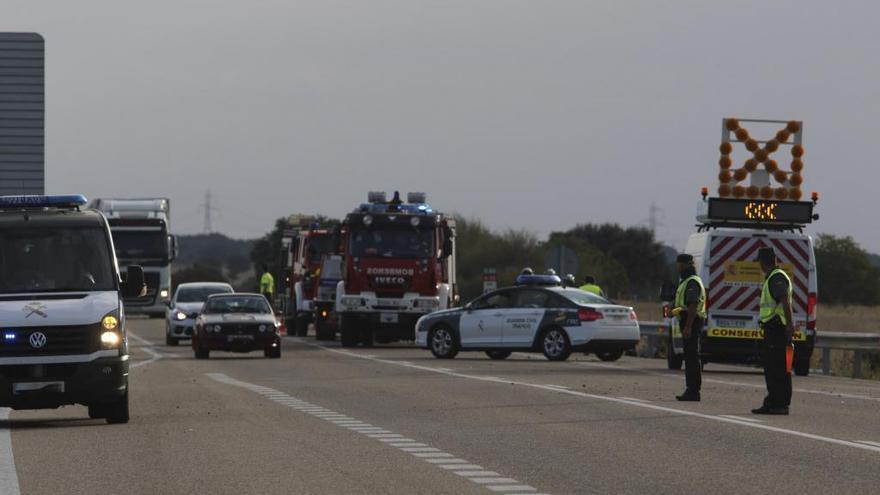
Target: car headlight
[
  {"x": 216, "y": 328},
  {"x": 163, "y": 293},
  {"x": 180, "y": 316},
  {"x": 110, "y": 339}
]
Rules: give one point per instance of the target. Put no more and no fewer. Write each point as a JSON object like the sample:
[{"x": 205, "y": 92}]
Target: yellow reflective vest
[
  {"x": 267, "y": 284},
  {"x": 769, "y": 307}
]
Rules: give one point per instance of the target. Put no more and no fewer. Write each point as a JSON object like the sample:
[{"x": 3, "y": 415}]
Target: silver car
[{"x": 184, "y": 308}]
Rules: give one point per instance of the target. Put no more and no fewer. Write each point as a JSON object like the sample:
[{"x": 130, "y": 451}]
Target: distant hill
[{"x": 230, "y": 255}]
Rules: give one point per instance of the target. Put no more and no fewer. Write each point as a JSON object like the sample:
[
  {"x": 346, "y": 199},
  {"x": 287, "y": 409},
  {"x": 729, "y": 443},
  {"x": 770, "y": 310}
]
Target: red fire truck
[
  {"x": 399, "y": 265},
  {"x": 307, "y": 248}
]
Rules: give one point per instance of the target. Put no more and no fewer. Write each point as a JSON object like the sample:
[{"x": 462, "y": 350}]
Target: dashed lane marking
[
  {"x": 458, "y": 466},
  {"x": 740, "y": 418},
  {"x": 616, "y": 400},
  {"x": 8, "y": 477}
]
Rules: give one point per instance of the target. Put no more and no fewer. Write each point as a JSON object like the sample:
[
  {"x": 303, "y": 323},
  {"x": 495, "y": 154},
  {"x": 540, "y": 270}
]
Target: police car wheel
[
  {"x": 609, "y": 355},
  {"x": 555, "y": 344},
  {"x": 498, "y": 355},
  {"x": 117, "y": 412},
  {"x": 443, "y": 343}
]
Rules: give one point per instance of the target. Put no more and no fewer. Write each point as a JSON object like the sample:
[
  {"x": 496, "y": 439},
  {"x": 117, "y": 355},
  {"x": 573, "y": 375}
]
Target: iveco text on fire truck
[
  {"x": 399, "y": 265},
  {"x": 62, "y": 326},
  {"x": 307, "y": 248},
  {"x": 731, "y": 229},
  {"x": 141, "y": 235}
]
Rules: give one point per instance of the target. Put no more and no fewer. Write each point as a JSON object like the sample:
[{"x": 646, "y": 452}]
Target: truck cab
[
  {"x": 309, "y": 247},
  {"x": 399, "y": 266},
  {"x": 141, "y": 234},
  {"x": 62, "y": 317}
]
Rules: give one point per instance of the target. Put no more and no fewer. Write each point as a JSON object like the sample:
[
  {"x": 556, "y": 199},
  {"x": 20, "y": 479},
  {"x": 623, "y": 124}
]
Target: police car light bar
[{"x": 34, "y": 201}]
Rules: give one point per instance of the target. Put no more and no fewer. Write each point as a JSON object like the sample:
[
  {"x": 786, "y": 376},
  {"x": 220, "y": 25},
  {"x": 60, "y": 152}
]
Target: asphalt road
[{"x": 392, "y": 419}]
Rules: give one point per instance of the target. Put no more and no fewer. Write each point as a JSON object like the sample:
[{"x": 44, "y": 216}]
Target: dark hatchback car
[{"x": 236, "y": 323}]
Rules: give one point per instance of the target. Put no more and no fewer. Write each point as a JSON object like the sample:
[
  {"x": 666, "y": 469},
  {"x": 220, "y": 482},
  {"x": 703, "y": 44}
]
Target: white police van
[{"x": 62, "y": 323}]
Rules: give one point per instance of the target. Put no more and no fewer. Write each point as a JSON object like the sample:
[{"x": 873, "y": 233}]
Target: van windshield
[{"x": 55, "y": 259}]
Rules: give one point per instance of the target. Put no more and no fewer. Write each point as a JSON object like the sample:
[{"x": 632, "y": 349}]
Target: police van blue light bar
[
  {"x": 34, "y": 201},
  {"x": 9, "y": 336}
]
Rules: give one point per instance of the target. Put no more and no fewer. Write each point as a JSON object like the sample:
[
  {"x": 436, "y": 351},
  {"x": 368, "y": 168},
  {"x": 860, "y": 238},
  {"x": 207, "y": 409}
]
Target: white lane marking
[
  {"x": 148, "y": 348},
  {"x": 635, "y": 399},
  {"x": 617, "y": 400},
  {"x": 731, "y": 416},
  {"x": 8, "y": 477},
  {"x": 761, "y": 386},
  {"x": 868, "y": 442},
  {"x": 556, "y": 386},
  {"x": 465, "y": 469},
  {"x": 510, "y": 488}
]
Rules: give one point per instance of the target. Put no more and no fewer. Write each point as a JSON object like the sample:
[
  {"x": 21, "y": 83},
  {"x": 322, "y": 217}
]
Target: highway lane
[{"x": 395, "y": 420}]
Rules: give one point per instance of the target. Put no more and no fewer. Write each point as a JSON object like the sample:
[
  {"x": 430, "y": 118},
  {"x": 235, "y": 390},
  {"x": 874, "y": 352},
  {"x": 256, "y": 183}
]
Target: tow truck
[
  {"x": 731, "y": 228},
  {"x": 308, "y": 247},
  {"x": 399, "y": 266}
]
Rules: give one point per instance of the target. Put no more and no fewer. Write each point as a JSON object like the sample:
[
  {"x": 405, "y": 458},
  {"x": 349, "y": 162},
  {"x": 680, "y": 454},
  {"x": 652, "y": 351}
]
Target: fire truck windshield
[
  {"x": 318, "y": 246},
  {"x": 393, "y": 243}
]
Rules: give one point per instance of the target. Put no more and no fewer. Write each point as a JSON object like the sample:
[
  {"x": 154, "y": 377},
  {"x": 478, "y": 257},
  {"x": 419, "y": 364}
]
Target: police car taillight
[{"x": 589, "y": 314}]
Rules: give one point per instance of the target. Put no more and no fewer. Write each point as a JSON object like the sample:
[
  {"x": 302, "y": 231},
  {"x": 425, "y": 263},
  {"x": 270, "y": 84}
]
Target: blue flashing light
[
  {"x": 547, "y": 280},
  {"x": 9, "y": 336},
  {"x": 405, "y": 208},
  {"x": 34, "y": 201}
]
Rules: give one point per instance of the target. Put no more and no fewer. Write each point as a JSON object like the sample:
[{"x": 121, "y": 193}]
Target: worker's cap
[
  {"x": 684, "y": 258},
  {"x": 767, "y": 255}
]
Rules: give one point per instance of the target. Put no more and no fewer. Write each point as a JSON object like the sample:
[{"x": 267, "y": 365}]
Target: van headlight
[
  {"x": 110, "y": 323},
  {"x": 163, "y": 293},
  {"x": 110, "y": 339}
]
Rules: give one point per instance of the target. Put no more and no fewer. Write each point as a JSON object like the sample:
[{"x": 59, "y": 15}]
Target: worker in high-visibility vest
[
  {"x": 777, "y": 322},
  {"x": 591, "y": 287},
  {"x": 690, "y": 307},
  {"x": 267, "y": 285}
]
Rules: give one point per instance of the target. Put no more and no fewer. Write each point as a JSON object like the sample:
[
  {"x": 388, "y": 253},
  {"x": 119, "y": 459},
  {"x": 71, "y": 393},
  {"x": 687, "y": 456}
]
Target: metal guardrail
[{"x": 857, "y": 342}]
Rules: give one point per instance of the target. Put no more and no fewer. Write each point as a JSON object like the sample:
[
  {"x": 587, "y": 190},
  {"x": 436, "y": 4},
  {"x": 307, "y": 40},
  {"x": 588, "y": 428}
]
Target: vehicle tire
[
  {"x": 117, "y": 412},
  {"x": 609, "y": 355},
  {"x": 169, "y": 340},
  {"x": 301, "y": 326},
  {"x": 97, "y": 411},
  {"x": 202, "y": 353},
  {"x": 555, "y": 344},
  {"x": 802, "y": 367},
  {"x": 347, "y": 334},
  {"x": 443, "y": 342},
  {"x": 273, "y": 353},
  {"x": 498, "y": 355},
  {"x": 673, "y": 361}
]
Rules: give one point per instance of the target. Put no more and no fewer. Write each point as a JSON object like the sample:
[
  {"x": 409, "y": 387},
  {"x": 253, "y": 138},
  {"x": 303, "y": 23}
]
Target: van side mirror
[
  {"x": 667, "y": 291},
  {"x": 134, "y": 284}
]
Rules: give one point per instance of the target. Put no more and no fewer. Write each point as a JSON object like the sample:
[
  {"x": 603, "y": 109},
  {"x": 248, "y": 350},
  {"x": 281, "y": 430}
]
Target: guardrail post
[
  {"x": 857, "y": 364},
  {"x": 826, "y": 360}
]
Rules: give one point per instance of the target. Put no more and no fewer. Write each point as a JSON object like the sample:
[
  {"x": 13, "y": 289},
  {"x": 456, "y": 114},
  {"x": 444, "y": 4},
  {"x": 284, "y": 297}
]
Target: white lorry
[{"x": 141, "y": 235}]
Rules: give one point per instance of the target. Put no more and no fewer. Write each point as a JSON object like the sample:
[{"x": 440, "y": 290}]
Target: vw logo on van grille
[{"x": 37, "y": 340}]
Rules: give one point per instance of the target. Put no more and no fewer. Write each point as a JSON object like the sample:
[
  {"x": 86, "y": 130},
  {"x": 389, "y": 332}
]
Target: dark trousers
[
  {"x": 776, "y": 374},
  {"x": 692, "y": 366}
]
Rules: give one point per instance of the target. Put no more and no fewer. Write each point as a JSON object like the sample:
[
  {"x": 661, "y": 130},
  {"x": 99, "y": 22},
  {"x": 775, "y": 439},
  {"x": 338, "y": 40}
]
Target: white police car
[
  {"x": 538, "y": 315},
  {"x": 62, "y": 320},
  {"x": 185, "y": 306}
]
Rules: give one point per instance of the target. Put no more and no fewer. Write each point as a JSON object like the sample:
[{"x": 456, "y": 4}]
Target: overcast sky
[{"x": 537, "y": 114}]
